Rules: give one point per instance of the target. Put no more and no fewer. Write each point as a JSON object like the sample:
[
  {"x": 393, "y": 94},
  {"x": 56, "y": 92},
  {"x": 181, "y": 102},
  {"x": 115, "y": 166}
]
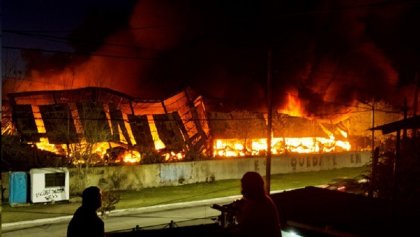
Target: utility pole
[
  {"x": 405, "y": 110},
  {"x": 416, "y": 95},
  {"x": 373, "y": 125},
  {"x": 374, "y": 154},
  {"x": 269, "y": 123},
  {"x": 1, "y": 119},
  {"x": 415, "y": 101},
  {"x": 396, "y": 168}
]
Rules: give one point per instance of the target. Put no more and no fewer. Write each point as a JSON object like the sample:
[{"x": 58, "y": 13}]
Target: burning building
[
  {"x": 97, "y": 123},
  {"x": 156, "y": 48},
  {"x": 101, "y": 125},
  {"x": 244, "y": 134}
]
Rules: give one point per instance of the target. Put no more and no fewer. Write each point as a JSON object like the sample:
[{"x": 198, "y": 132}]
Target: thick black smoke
[
  {"x": 326, "y": 53},
  {"x": 98, "y": 24}
]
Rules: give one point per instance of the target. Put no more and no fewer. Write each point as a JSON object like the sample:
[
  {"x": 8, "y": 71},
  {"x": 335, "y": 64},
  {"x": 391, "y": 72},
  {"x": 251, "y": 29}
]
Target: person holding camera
[{"x": 256, "y": 213}]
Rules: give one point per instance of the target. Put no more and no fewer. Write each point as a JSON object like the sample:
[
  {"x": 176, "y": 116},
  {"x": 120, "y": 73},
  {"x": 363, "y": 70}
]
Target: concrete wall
[{"x": 167, "y": 174}]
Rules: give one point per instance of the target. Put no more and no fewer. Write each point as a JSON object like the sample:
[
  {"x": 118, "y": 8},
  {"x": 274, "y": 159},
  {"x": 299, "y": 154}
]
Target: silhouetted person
[
  {"x": 257, "y": 214},
  {"x": 85, "y": 221}
]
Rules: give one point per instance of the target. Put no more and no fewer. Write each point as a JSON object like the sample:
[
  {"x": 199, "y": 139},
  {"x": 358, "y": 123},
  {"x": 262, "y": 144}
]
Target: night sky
[{"x": 327, "y": 53}]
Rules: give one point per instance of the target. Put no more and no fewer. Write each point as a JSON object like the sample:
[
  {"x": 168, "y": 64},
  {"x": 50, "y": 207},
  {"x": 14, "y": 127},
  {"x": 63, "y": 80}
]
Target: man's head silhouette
[
  {"x": 252, "y": 185},
  {"x": 92, "y": 198}
]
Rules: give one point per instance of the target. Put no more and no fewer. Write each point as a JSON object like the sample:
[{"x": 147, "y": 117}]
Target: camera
[{"x": 228, "y": 216}]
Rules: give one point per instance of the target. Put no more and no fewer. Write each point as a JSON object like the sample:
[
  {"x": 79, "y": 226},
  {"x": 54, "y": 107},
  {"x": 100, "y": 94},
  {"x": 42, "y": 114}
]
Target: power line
[
  {"x": 67, "y": 41},
  {"x": 38, "y": 33},
  {"x": 81, "y": 54}
]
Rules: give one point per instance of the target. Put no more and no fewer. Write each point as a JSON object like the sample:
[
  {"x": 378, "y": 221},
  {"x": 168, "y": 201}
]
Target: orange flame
[
  {"x": 221, "y": 147},
  {"x": 44, "y": 145},
  {"x": 131, "y": 157},
  {"x": 293, "y": 107},
  {"x": 235, "y": 147},
  {"x": 158, "y": 143},
  {"x": 172, "y": 156}
]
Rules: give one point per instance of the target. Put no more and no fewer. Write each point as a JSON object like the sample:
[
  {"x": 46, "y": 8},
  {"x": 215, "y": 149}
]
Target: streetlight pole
[{"x": 269, "y": 123}]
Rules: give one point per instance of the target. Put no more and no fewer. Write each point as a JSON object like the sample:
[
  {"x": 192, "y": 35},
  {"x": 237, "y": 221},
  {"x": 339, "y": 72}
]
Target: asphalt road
[
  {"x": 199, "y": 212},
  {"x": 125, "y": 221},
  {"x": 181, "y": 214}
]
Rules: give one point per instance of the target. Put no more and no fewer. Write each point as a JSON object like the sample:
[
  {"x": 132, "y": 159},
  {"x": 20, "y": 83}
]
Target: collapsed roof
[{"x": 100, "y": 114}]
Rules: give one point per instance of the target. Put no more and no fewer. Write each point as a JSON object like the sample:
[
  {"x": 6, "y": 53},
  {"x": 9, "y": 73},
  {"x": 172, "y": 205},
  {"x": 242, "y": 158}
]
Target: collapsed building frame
[
  {"x": 176, "y": 124},
  {"x": 180, "y": 127}
]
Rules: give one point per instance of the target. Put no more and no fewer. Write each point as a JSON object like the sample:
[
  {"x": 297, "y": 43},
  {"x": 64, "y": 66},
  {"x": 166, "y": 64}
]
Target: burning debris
[
  {"x": 101, "y": 126},
  {"x": 96, "y": 125},
  {"x": 244, "y": 134}
]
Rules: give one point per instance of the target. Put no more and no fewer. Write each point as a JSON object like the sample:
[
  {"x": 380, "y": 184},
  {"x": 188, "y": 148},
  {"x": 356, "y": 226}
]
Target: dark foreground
[{"x": 310, "y": 212}]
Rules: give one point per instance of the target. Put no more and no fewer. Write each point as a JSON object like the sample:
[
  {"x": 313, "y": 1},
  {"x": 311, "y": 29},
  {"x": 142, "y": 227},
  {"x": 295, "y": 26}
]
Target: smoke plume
[{"x": 327, "y": 54}]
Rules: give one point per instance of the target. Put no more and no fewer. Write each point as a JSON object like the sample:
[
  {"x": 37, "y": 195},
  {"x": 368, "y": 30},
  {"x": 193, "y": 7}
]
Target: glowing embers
[
  {"x": 173, "y": 156},
  {"x": 118, "y": 154},
  {"x": 101, "y": 152},
  {"x": 44, "y": 145},
  {"x": 131, "y": 156},
  {"x": 254, "y": 147}
]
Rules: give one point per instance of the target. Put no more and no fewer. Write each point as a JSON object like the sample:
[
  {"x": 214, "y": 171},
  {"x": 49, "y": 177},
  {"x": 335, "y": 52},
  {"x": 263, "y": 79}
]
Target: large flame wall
[{"x": 245, "y": 134}]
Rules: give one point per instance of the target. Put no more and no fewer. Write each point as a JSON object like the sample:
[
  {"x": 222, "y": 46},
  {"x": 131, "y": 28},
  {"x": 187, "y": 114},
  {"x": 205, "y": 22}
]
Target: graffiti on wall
[
  {"x": 318, "y": 161},
  {"x": 50, "y": 193}
]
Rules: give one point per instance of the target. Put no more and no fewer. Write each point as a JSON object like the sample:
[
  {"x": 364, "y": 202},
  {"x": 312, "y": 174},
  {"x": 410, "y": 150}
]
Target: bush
[{"x": 109, "y": 200}]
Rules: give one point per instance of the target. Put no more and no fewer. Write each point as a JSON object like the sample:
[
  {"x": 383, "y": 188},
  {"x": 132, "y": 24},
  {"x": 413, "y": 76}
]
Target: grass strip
[{"x": 174, "y": 194}]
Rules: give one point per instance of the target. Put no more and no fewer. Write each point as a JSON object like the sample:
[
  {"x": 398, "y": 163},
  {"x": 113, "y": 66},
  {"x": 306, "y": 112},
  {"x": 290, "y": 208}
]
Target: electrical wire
[
  {"x": 81, "y": 54},
  {"x": 38, "y": 33}
]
